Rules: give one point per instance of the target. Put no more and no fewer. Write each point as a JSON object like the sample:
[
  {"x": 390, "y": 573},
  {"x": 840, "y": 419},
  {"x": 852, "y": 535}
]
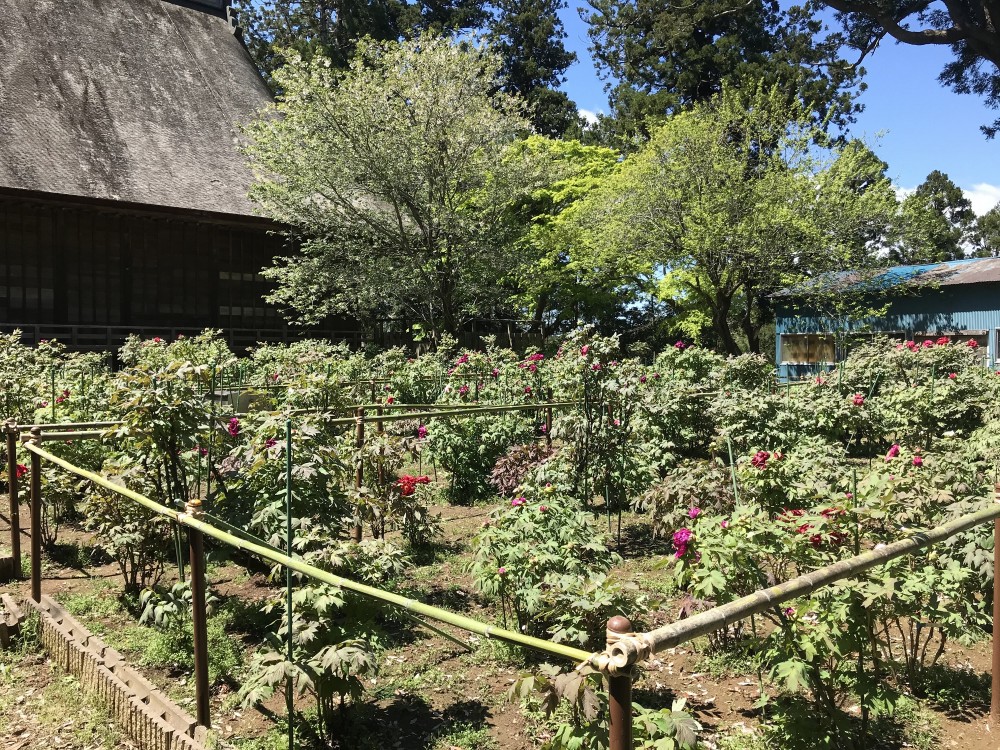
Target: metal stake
[
  {"x": 15, "y": 514},
  {"x": 289, "y": 685},
  {"x": 359, "y": 475},
  {"x": 995, "y": 687},
  {"x": 36, "y": 521}
]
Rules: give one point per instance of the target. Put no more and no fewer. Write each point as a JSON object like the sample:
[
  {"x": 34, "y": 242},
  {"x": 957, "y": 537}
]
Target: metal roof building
[{"x": 960, "y": 299}]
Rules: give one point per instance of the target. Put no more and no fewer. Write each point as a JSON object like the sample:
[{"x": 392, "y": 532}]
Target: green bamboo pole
[
  {"x": 411, "y": 605},
  {"x": 629, "y": 650}
]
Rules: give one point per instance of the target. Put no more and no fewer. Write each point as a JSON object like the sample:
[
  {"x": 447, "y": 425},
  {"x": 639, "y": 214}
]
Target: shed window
[{"x": 807, "y": 348}]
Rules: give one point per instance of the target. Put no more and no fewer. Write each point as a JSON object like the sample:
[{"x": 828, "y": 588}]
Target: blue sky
[{"x": 914, "y": 123}]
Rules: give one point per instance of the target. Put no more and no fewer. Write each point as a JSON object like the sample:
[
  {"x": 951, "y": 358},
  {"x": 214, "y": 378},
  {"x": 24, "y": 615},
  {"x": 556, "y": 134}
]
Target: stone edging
[{"x": 143, "y": 712}]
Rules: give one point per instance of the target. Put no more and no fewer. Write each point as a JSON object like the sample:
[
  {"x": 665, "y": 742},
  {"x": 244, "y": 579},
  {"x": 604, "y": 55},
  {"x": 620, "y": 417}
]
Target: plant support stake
[{"x": 289, "y": 682}]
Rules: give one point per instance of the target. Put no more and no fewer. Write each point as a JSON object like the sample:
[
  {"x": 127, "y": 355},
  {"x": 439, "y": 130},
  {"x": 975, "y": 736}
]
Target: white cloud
[
  {"x": 903, "y": 192},
  {"x": 590, "y": 117},
  {"x": 983, "y": 197}
]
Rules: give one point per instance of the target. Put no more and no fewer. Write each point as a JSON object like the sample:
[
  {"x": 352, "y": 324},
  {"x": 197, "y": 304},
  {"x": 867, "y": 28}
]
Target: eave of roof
[
  {"x": 949, "y": 273},
  {"x": 126, "y": 100}
]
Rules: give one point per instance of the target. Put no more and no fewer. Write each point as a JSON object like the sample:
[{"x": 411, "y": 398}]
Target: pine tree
[{"x": 528, "y": 35}]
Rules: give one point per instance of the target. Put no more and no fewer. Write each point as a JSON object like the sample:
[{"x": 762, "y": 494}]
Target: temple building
[{"x": 123, "y": 201}]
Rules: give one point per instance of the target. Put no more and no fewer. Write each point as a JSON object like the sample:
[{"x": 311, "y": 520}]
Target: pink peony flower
[
  {"x": 642, "y": 378},
  {"x": 596, "y": 366},
  {"x": 463, "y": 390},
  {"x": 527, "y": 390},
  {"x": 972, "y": 344},
  {"x": 421, "y": 432},
  {"x": 928, "y": 344},
  {"x": 501, "y": 571},
  {"x": 952, "y": 375},
  {"x": 943, "y": 341},
  {"x": 681, "y": 539},
  {"x": 584, "y": 351},
  {"x": 759, "y": 460},
  {"x": 724, "y": 524},
  {"x": 859, "y": 399},
  {"x": 517, "y": 502},
  {"x": 495, "y": 373},
  {"x": 918, "y": 461},
  {"x": 893, "y": 452},
  {"x": 694, "y": 512},
  {"x": 234, "y": 427},
  {"x": 543, "y": 508},
  {"x": 270, "y": 442}
]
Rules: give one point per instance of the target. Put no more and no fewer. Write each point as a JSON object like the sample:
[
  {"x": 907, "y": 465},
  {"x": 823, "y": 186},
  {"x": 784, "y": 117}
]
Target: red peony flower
[{"x": 21, "y": 470}]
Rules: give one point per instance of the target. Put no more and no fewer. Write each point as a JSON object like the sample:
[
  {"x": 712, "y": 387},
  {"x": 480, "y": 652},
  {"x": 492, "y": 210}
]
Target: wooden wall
[{"x": 65, "y": 264}]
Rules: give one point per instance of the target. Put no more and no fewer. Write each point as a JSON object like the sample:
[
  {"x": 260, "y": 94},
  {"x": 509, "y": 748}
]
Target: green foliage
[
  {"x": 528, "y": 35},
  {"x": 394, "y": 176},
  {"x": 935, "y": 222},
  {"x": 663, "y": 58},
  {"x": 326, "y": 663},
  {"x": 730, "y": 202},
  {"x": 547, "y": 565},
  {"x": 585, "y": 725}
]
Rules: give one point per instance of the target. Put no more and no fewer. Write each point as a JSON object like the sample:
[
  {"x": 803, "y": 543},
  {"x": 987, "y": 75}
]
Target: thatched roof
[{"x": 128, "y": 100}]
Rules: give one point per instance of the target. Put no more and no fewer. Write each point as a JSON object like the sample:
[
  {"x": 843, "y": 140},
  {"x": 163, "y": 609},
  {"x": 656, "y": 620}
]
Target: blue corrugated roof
[{"x": 965, "y": 271}]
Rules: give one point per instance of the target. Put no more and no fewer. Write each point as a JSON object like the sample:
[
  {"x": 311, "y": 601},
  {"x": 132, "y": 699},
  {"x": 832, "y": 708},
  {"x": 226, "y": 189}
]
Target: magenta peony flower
[
  {"x": 724, "y": 524},
  {"x": 680, "y": 345},
  {"x": 543, "y": 508},
  {"x": 517, "y": 502},
  {"x": 270, "y": 442},
  {"x": 859, "y": 399},
  {"x": 642, "y": 378},
  {"x": 501, "y": 571},
  {"x": 596, "y": 366},
  {"x": 694, "y": 512},
  {"x": 759, "y": 460},
  {"x": 422, "y": 432},
  {"x": 234, "y": 427},
  {"x": 918, "y": 461},
  {"x": 893, "y": 451}
]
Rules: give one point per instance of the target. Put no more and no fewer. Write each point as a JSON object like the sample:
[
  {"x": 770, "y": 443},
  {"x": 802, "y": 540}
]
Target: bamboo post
[
  {"x": 15, "y": 511},
  {"x": 359, "y": 475},
  {"x": 36, "y": 521},
  {"x": 199, "y": 617},
  {"x": 619, "y": 692}
]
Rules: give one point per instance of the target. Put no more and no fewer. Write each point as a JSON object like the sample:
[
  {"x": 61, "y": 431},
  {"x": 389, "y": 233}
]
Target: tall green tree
[
  {"x": 935, "y": 224},
  {"x": 970, "y": 28},
  {"x": 663, "y": 57},
  {"x": 732, "y": 201},
  {"x": 528, "y": 35},
  {"x": 332, "y": 28},
  {"x": 987, "y": 234},
  {"x": 395, "y": 178},
  {"x": 551, "y": 289}
]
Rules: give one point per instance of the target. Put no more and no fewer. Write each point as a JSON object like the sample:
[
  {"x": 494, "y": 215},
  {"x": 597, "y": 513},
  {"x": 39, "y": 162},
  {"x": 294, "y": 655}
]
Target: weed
[{"x": 465, "y": 736}]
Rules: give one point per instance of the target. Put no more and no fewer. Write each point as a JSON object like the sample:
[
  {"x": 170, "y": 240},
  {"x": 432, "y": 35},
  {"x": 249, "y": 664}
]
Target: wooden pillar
[
  {"x": 199, "y": 617},
  {"x": 619, "y": 694}
]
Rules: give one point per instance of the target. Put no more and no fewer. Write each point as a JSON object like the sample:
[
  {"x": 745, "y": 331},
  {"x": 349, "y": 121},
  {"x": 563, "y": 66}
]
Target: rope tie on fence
[
  {"x": 624, "y": 650},
  {"x": 10, "y": 427}
]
